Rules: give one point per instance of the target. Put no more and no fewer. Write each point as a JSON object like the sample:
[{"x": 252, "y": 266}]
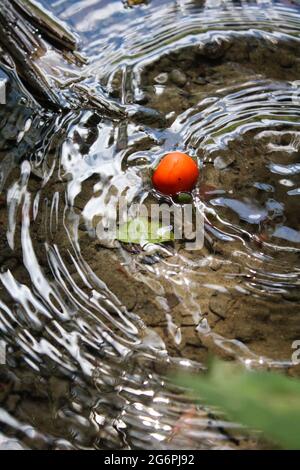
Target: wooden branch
[
  {"x": 55, "y": 31},
  {"x": 26, "y": 32}
]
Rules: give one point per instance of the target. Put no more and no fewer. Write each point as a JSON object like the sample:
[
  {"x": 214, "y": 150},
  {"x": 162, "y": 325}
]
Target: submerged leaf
[{"x": 141, "y": 231}]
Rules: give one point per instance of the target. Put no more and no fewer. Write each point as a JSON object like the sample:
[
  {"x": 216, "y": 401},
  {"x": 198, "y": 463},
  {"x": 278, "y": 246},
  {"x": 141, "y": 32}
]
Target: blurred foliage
[{"x": 260, "y": 400}]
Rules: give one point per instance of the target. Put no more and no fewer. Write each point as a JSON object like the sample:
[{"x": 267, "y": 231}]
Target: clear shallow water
[{"x": 93, "y": 328}]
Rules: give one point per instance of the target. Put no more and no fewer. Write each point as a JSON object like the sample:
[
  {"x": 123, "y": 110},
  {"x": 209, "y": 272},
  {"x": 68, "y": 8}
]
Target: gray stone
[
  {"x": 178, "y": 77},
  {"x": 220, "y": 163}
]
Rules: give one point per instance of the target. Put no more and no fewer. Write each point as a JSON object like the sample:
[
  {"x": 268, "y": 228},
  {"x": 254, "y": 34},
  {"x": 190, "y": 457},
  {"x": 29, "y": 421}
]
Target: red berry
[{"x": 176, "y": 172}]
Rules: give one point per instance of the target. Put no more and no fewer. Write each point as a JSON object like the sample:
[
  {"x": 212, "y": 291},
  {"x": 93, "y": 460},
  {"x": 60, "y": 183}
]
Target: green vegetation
[{"x": 265, "y": 401}]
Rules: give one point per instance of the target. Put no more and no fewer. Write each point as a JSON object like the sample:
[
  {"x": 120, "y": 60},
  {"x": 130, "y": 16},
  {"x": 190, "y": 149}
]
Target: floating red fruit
[{"x": 176, "y": 172}]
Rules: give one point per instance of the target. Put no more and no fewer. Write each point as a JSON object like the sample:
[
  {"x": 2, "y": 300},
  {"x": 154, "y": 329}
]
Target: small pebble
[
  {"x": 178, "y": 77},
  {"x": 201, "y": 81},
  {"x": 221, "y": 163},
  {"x": 162, "y": 78}
]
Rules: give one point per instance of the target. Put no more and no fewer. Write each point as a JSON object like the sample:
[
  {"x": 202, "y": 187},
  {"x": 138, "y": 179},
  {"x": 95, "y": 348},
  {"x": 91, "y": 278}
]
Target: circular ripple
[{"x": 92, "y": 326}]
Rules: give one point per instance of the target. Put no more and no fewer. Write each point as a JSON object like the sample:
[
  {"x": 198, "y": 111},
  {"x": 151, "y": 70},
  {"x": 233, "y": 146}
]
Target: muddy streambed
[{"x": 93, "y": 327}]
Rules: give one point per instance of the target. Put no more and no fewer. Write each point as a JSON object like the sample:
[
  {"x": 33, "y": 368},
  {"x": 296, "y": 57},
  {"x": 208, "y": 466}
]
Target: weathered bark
[
  {"x": 26, "y": 31},
  {"x": 54, "y": 31}
]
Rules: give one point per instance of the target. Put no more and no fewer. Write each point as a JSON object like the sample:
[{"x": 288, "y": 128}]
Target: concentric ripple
[{"x": 93, "y": 327}]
